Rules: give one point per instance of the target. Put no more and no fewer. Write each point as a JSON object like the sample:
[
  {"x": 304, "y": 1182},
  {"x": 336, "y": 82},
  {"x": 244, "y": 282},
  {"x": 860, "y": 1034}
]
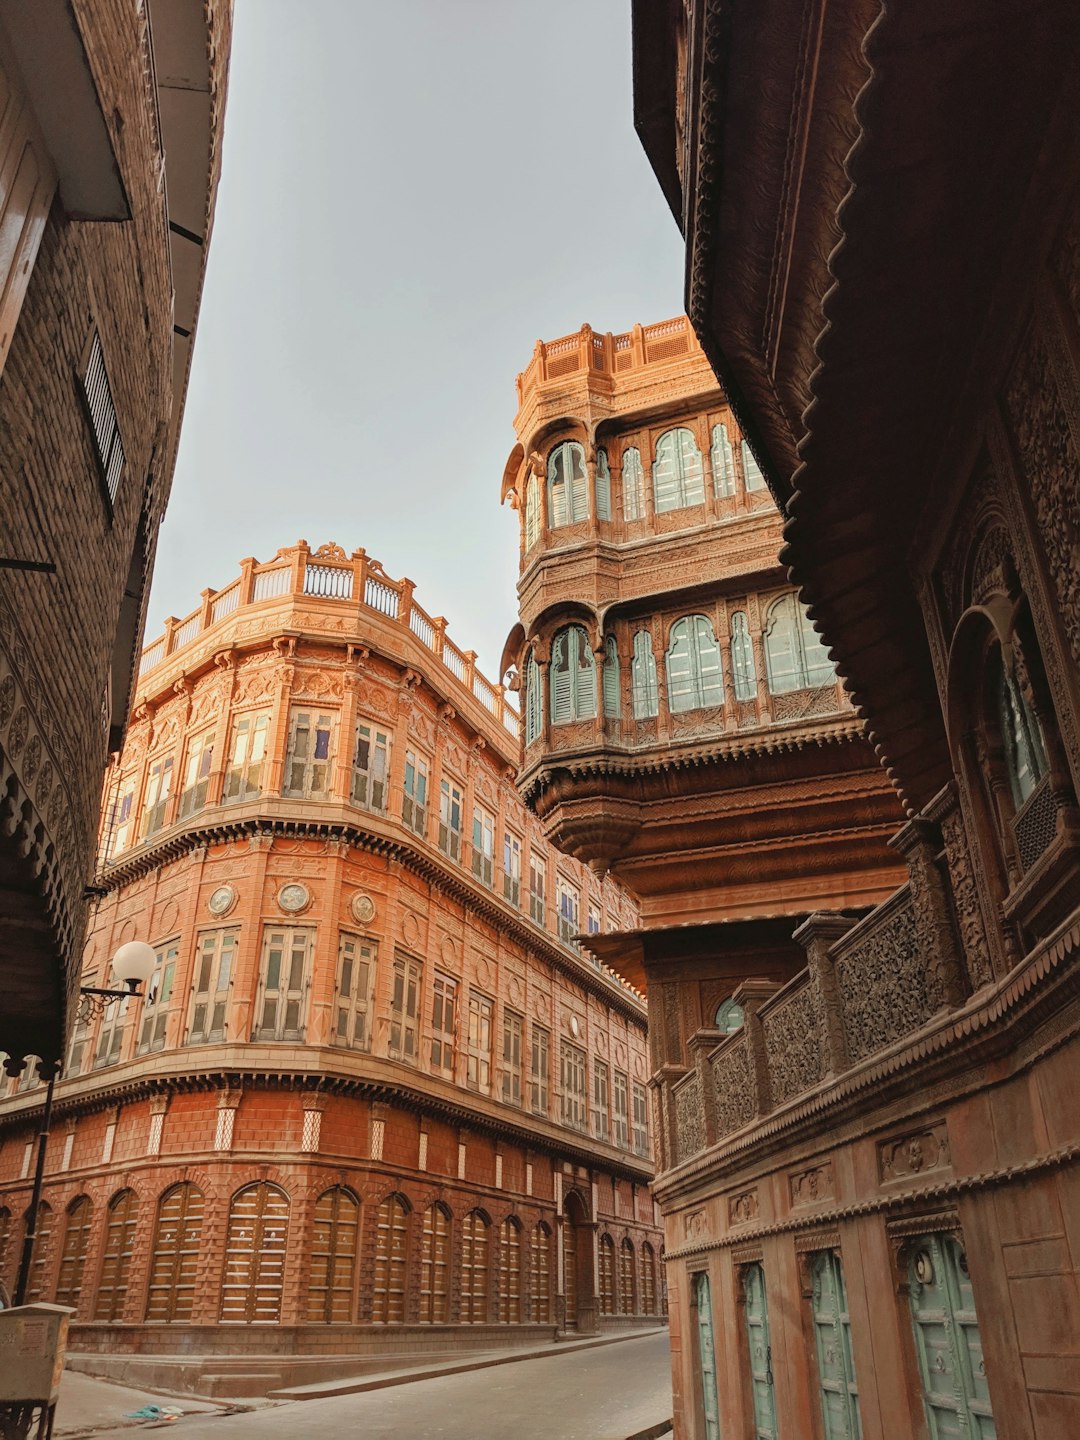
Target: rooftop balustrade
[{"x": 587, "y": 352}]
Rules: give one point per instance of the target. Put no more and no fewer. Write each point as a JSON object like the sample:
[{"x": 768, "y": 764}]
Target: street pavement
[{"x": 607, "y": 1393}]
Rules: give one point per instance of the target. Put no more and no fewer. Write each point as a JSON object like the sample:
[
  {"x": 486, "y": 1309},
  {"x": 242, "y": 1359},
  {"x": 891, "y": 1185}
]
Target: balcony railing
[{"x": 587, "y": 351}]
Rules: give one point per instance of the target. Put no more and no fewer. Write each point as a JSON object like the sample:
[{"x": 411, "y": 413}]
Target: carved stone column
[
  {"x": 817, "y": 935},
  {"x": 752, "y": 995},
  {"x": 919, "y": 842}
]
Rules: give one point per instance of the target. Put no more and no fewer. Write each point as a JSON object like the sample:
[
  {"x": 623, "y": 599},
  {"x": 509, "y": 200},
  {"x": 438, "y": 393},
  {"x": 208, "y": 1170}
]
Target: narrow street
[{"x": 609, "y": 1393}]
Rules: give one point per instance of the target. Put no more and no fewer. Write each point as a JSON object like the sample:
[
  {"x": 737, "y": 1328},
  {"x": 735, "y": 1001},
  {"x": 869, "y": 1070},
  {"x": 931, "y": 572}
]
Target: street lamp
[{"x": 133, "y": 964}]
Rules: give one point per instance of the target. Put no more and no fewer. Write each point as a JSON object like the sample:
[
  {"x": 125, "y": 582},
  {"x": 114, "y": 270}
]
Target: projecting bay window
[
  {"x": 511, "y": 868},
  {"x": 352, "y": 1008},
  {"x": 621, "y": 1129},
  {"x": 540, "y": 1071},
  {"x": 309, "y": 761},
  {"x": 601, "y": 1110},
  {"x": 414, "y": 797},
  {"x": 405, "y": 1010},
  {"x": 483, "y": 843},
  {"x": 158, "y": 787},
  {"x": 443, "y": 1024},
  {"x": 213, "y": 976},
  {"x": 575, "y": 1093},
  {"x": 282, "y": 1000},
  {"x": 569, "y": 902},
  {"x": 478, "y": 1070},
  {"x": 199, "y": 758},
  {"x": 158, "y": 994},
  {"x": 243, "y": 775},
  {"x": 451, "y": 807},
  {"x": 641, "y": 1120},
  {"x": 538, "y": 888},
  {"x": 513, "y": 1045},
  {"x": 371, "y": 767}
]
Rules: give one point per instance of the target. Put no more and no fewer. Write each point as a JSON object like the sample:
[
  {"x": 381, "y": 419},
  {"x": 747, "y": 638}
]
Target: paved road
[{"x": 604, "y": 1394}]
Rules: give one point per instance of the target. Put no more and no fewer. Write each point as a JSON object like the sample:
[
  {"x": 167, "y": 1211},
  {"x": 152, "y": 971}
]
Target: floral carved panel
[
  {"x": 914, "y": 1153},
  {"x": 794, "y": 1044},
  {"x": 734, "y": 1088},
  {"x": 885, "y": 988}
]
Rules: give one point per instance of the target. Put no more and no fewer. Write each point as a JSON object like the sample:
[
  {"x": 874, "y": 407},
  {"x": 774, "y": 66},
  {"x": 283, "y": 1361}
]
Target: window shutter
[
  {"x": 692, "y": 470},
  {"x": 176, "y": 1254},
  {"x": 255, "y": 1254},
  {"x": 333, "y": 1256},
  {"x": 532, "y": 513},
  {"x": 561, "y": 691},
  {"x": 723, "y": 463},
  {"x": 643, "y": 677},
  {"x": 665, "y": 476},
  {"x": 755, "y": 480},
  {"x": 680, "y": 676},
  {"x": 611, "y": 679},
  {"x": 710, "y": 677},
  {"x": 742, "y": 658},
  {"x": 603, "y": 486},
  {"x": 782, "y": 660},
  {"x": 583, "y": 670},
  {"x": 633, "y": 481}
]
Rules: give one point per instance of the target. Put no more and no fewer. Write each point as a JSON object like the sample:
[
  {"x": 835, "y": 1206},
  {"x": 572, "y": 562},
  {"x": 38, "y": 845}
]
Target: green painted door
[
  {"x": 707, "y": 1357},
  {"x": 832, "y": 1335},
  {"x": 757, "y": 1334},
  {"x": 947, "y": 1341}
]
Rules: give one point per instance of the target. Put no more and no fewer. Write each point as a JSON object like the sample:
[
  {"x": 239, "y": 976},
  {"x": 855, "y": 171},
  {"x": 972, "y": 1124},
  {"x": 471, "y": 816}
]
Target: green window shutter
[
  {"x": 757, "y": 1333},
  {"x": 947, "y": 1341},
  {"x": 611, "y": 679},
  {"x": 603, "y": 486},
  {"x": 532, "y": 513},
  {"x": 575, "y": 468},
  {"x": 562, "y": 708},
  {"x": 707, "y": 654},
  {"x": 643, "y": 677},
  {"x": 583, "y": 669},
  {"x": 832, "y": 1337}
]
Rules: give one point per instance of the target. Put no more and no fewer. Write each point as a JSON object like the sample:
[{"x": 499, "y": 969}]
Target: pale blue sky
[{"x": 414, "y": 191}]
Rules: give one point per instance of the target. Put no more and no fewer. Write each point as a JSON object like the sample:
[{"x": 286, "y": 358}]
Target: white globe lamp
[{"x": 133, "y": 964}]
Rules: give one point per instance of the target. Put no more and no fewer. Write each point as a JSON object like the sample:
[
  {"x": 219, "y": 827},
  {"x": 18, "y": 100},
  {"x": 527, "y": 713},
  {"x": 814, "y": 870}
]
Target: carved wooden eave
[{"x": 857, "y": 271}]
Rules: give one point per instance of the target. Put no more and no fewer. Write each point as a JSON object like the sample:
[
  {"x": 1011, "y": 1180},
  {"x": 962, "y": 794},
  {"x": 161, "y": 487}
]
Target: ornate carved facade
[{"x": 897, "y": 333}]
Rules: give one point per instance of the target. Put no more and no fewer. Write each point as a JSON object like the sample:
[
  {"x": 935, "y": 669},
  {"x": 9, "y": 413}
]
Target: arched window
[
  {"x": 743, "y": 670},
  {"x": 607, "y": 1275},
  {"x": 534, "y": 701},
  {"x": 633, "y": 484},
  {"x": 648, "y": 1279},
  {"x": 435, "y": 1266},
  {"x": 695, "y": 680},
  {"x": 568, "y": 499},
  {"x": 120, "y": 1221},
  {"x": 474, "y": 1269},
  {"x": 611, "y": 679},
  {"x": 643, "y": 677},
  {"x": 510, "y": 1272},
  {"x": 755, "y": 480},
  {"x": 391, "y": 1235},
  {"x": 540, "y": 1273},
  {"x": 723, "y": 463},
  {"x": 255, "y": 1254},
  {"x": 603, "y": 486},
  {"x": 41, "y": 1254},
  {"x": 729, "y": 1017},
  {"x": 678, "y": 475},
  {"x": 795, "y": 657},
  {"x": 73, "y": 1256},
  {"x": 532, "y": 512},
  {"x": 573, "y": 677},
  {"x": 334, "y": 1237},
  {"x": 1021, "y": 736},
  {"x": 175, "y": 1257},
  {"x": 626, "y": 1277}
]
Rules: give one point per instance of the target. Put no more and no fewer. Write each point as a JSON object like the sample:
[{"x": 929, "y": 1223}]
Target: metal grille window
[
  {"x": 414, "y": 797},
  {"x": 633, "y": 484},
  {"x": 213, "y": 976},
  {"x": 282, "y": 1002},
  {"x": 611, "y": 684},
  {"x": 569, "y": 902},
  {"x": 755, "y": 480},
  {"x": 478, "y": 1071},
  {"x": 537, "y": 887},
  {"x": 626, "y": 1278},
  {"x": 197, "y": 763},
  {"x": 156, "y": 799},
  {"x": 572, "y": 677},
  {"x": 80, "y": 1214},
  {"x": 575, "y": 1093},
  {"x": 648, "y": 1279},
  {"x": 111, "y": 1033},
  {"x": 607, "y": 1275},
  {"x": 309, "y": 762},
  {"x": 532, "y": 512},
  {"x": 391, "y": 1243},
  {"x": 352, "y": 1006},
  {"x": 723, "y": 463},
  {"x": 947, "y": 1340},
  {"x": 435, "y": 1266},
  {"x": 743, "y": 669},
  {"x": 601, "y": 1108},
  {"x": 451, "y": 809},
  {"x": 534, "y": 701},
  {"x": 643, "y": 677},
  {"x": 371, "y": 766},
  {"x": 513, "y": 1046},
  {"x": 243, "y": 774},
  {"x": 158, "y": 995},
  {"x": 540, "y": 1274},
  {"x": 511, "y": 868},
  {"x": 443, "y": 1023},
  {"x": 795, "y": 656},
  {"x": 41, "y": 1254},
  {"x": 255, "y": 1255},
  {"x": 97, "y": 393},
  {"x": 334, "y": 1235},
  {"x": 568, "y": 499},
  {"x": 832, "y": 1337},
  {"x": 175, "y": 1258},
  {"x": 120, "y": 1222},
  {"x": 404, "y": 1009},
  {"x": 641, "y": 1121},
  {"x": 540, "y": 1071},
  {"x": 510, "y": 1271},
  {"x": 603, "y": 486},
  {"x": 474, "y": 1269},
  {"x": 621, "y": 1128},
  {"x": 483, "y": 845},
  {"x": 694, "y": 674},
  {"x": 678, "y": 474}
]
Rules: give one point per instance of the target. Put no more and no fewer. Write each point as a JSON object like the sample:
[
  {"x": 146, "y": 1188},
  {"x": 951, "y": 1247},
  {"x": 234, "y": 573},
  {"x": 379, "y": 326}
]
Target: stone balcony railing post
[
  {"x": 247, "y": 580},
  {"x": 299, "y": 567},
  {"x": 206, "y": 611},
  {"x": 752, "y": 995},
  {"x": 405, "y": 602},
  {"x": 817, "y": 935},
  {"x": 359, "y": 568},
  {"x": 637, "y": 346},
  {"x": 920, "y": 843},
  {"x": 438, "y": 625},
  {"x": 170, "y": 628}
]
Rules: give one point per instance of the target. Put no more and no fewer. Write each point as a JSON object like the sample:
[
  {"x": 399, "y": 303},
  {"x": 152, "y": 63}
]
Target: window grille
[
  {"x": 255, "y": 1255},
  {"x": 120, "y": 1223},
  {"x": 334, "y": 1235},
  {"x": 309, "y": 1136},
  {"x": 200, "y": 757},
  {"x": 213, "y": 976},
  {"x": 678, "y": 474},
  {"x": 404, "y": 1009},
  {"x": 601, "y": 1111},
  {"x": 378, "y": 1136},
  {"x": 723, "y": 463},
  {"x": 743, "y": 669},
  {"x": 568, "y": 499},
  {"x": 97, "y": 393},
  {"x": 510, "y": 1272},
  {"x": 695, "y": 678},
  {"x": 795, "y": 655},
  {"x": 603, "y": 486},
  {"x": 371, "y": 767},
  {"x": 73, "y": 1255},
  {"x": 572, "y": 677},
  {"x": 309, "y": 762},
  {"x": 622, "y": 1119},
  {"x": 511, "y": 868},
  {"x": 532, "y": 512},
  {"x": 443, "y": 1023},
  {"x": 643, "y": 677},
  {"x": 153, "y": 1135},
  {"x": 575, "y": 1094},
  {"x": 356, "y": 972},
  {"x": 540, "y": 1071},
  {"x": 156, "y": 799},
  {"x": 391, "y": 1235},
  {"x": 626, "y": 1278},
  {"x": 175, "y": 1257},
  {"x": 611, "y": 679},
  {"x": 226, "y": 1123},
  {"x": 633, "y": 484},
  {"x": 540, "y": 1274},
  {"x": 478, "y": 1068},
  {"x": 474, "y": 1269},
  {"x": 158, "y": 994},
  {"x": 607, "y": 1275},
  {"x": 512, "y": 1057},
  {"x": 755, "y": 480},
  {"x": 414, "y": 799},
  {"x": 283, "y": 999},
  {"x": 435, "y": 1266},
  {"x": 243, "y": 774},
  {"x": 483, "y": 845}
]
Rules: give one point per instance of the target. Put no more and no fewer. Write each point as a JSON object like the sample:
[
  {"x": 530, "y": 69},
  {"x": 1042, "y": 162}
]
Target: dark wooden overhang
[{"x": 723, "y": 944}]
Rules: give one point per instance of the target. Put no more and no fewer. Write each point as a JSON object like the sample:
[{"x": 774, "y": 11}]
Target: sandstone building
[
  {"x": 110, "y": 131},
  {"x": 870, "y": 1191},
  {"x": 375, "y": 1099}
]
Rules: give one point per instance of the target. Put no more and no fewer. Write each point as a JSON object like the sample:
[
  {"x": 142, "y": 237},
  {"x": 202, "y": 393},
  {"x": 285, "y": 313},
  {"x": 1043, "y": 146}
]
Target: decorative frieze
[
  {"x": 914, "y": 1153},
  {"x": 811, "y": 1186},
  {"x": 743, "y": 1207}
]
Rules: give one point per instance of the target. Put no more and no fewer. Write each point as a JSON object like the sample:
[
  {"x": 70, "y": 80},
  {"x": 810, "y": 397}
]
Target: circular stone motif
[
  {"x": 7, "y": 698},
  {"x": 575, "y": 1026},
  {"x": 540, "y": 1006},
  {"x": 293, "y": 898},
  {"x": 363, "y": 909},
  {"x": 410, "y": 928},
  {"x": 222, "y": 900}
]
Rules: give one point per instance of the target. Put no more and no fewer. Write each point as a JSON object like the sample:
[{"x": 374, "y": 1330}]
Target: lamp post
[{"x": 133, "y": 964}]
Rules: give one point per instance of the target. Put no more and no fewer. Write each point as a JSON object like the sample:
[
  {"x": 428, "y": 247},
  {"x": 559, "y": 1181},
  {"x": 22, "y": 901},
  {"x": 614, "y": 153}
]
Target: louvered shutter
[
  {"x": 176, "y": 1254},
  {"x": 558, "y": 488},
  {"x": 119, "y": 1245},
  {"x": 633, "y": 484},
  {"x": 611, "y": 679},
  {"x": 782, "y": 659},
  {"x": 73, "y": 1256},
  {"x": 532, "y": 512},
  {"x": 603, "y": 486},
  {"x": 255, "y": 1255},
  {"x": 333, "y": 1256},
  {"x": 579, "y": 494},
  {"x": 643, "y": 677},
  {"x": 710, "y": 686},
  {"x": 723, "y": 463},
  {"x": 692, "y": 472},
  {"x": 562, "y": 690},
  {"x": 679, "y": 669},
  {"x": 583, "y": 674}
]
